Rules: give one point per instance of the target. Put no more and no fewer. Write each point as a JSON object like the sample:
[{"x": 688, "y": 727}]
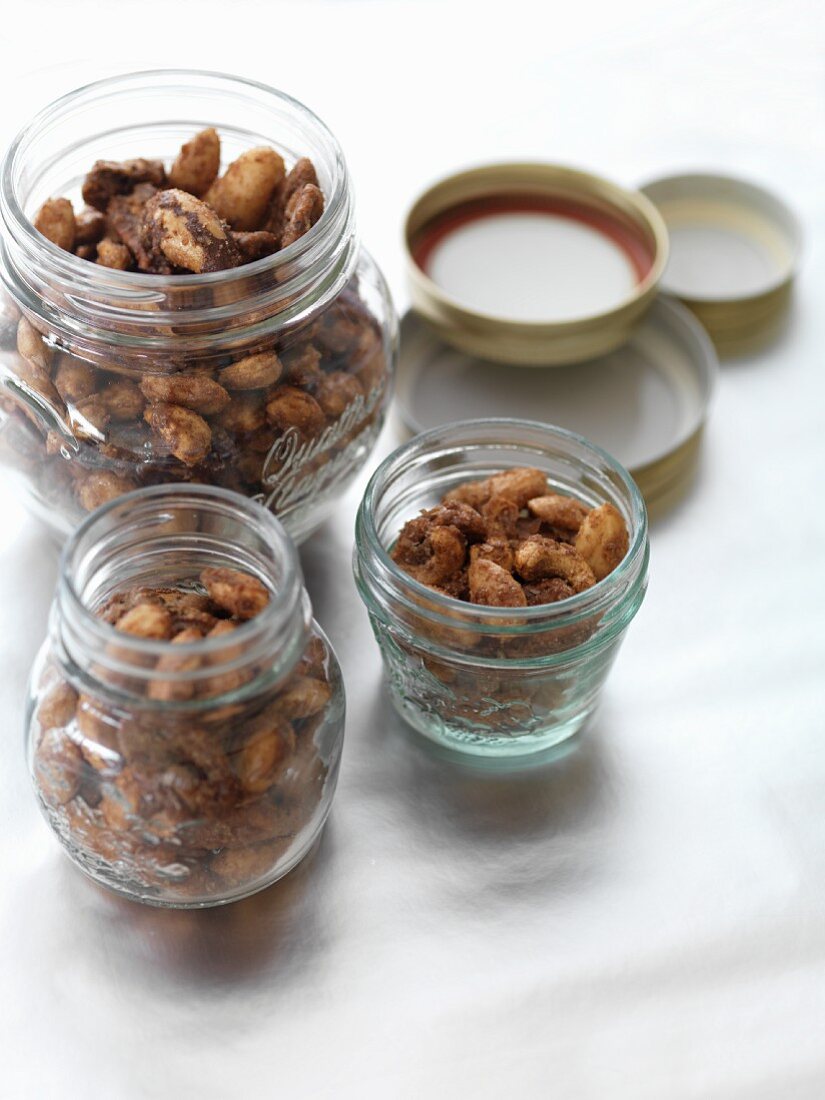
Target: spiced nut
[
  {"x": 185, "y": 432},
  {"x": 242, "y": 195},
  {"x": 197, "y": 392},
  {"x": 255, "y": 372},
  {"x": 187, "y": 233},
  {"x": 55, "y": 220},
  {"x": 197, "y": 163}
]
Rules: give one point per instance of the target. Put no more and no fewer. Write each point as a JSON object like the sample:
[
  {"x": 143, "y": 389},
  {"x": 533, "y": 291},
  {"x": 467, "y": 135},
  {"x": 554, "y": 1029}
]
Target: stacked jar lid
[{"x": 544, "y": 292}]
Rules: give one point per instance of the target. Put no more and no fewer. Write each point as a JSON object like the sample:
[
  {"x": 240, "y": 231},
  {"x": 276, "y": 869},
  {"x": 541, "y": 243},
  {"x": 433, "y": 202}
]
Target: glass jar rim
[
  {"x": 286, "y": 602},
  {"x": 104, "y": 278},
  {"x": 443, "y": 609}
]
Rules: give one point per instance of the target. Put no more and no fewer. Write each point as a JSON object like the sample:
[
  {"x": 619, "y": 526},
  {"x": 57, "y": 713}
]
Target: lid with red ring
[{"x": 533, "y": 264}]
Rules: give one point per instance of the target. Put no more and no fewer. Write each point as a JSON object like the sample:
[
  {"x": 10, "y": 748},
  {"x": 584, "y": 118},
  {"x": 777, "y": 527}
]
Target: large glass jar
[
  {"x": 495, "y": 681},
  {"x": 70, "y": 330},
  {"x": 183, "y": 774}
]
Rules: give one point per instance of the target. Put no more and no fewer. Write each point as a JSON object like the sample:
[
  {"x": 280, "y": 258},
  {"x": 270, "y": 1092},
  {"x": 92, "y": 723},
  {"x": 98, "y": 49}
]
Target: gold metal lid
[
  {"x": 533, "y": 264},
  {"x": 645, "y": 402},
  {"x": 734, "y": 252}
]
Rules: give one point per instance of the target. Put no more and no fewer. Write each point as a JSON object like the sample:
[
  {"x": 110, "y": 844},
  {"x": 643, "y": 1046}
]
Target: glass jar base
[
  {"x": 98, "y": 872},
  {"x": 526, "y": 748}
]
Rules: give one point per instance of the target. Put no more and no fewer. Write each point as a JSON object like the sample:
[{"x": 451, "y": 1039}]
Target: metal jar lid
[
  {"x": 646, "y": 402},
  {"x": 533, "y": 264},
  {"x": 734, "y": 252}
]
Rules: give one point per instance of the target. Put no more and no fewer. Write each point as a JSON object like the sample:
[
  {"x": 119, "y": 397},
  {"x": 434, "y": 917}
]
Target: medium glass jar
[
  {"x": 70, "y": 329},
  {"x": 495, "y": 681},
  {"x": 183, "y": 774}
]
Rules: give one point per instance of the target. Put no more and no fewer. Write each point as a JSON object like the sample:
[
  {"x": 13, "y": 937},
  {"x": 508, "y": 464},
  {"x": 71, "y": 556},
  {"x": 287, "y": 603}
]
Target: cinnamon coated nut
[
  {"x": 185, "y": 432},
  {"x": 335, "y": 393},
  {"x": 75, "y": 379},
  {"x": 58, "y": 766},
  {"x": 31, "y": 346},
  {"x": 187, "y": 233},
  {"x": 122, "y": 400},
  {"x": 90, "y": 226},
  {"x": 558, "y": 511},
  {"x": 302, "y": 211},
  {"x": 57, "y": 706},
  {"x": 114, "y": 254},
  {"x": 98, "y": 487},
  {"x": 197, "y": 392},
  {"x": 305, "y": 696},
  {"x": 125, "y": 221},
  {"x": 243, "y": 193},
  {"x": 301, "y": 173},
  {"x": 255, "y": 372},
  {"x": 241, "y": 594},
  {"x": 55, "y": 220},
  {"x": 172, "y": 684},
  {"x": 146, "y": 620},
  {"x": 289, "y": 407},
  {"x": 255, "y": 246},
  {"x": 538, "y": 558},
  {"x": 197, "y": 163},
  {"x": 602, "y": 539},
  {"x": 494, "y": 586},
  {"x": 108, "y": 178},
  {"x": 263, "y": 752},
  {"x": 243, "y": 415}
]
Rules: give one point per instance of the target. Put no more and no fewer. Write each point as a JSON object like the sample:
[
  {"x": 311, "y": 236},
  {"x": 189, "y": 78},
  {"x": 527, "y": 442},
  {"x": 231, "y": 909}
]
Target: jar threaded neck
[
  {"x": 97, "y": 310},
  {"x": 164, "y": 537}
]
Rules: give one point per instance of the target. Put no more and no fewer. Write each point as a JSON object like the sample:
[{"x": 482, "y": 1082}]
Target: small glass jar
[
  {"x": 497, "y": 682},
  {"x": 70, "y": 329},
  {"x": 183, "y": 774}
]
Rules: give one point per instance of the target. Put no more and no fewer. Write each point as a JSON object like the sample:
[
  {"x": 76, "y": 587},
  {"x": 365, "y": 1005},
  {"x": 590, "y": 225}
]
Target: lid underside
[{"x": 641, "y": 402}]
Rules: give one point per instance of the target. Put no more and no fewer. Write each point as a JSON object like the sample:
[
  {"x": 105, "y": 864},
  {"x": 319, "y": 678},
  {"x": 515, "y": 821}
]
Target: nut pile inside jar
[
  {"x": 140, "y": 217},
  {"x": 185, "y": 804},
  {"x": 508, "y": 541}
]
